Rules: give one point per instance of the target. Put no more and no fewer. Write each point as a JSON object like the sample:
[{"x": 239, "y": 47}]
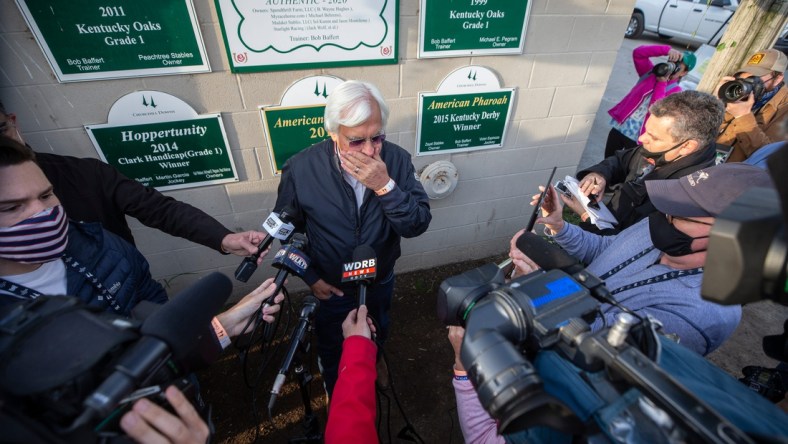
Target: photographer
[
  {"x": 630, "y": 114},
  {"x": 754, "y": 120},
  {"x": 655, "y": 267}
]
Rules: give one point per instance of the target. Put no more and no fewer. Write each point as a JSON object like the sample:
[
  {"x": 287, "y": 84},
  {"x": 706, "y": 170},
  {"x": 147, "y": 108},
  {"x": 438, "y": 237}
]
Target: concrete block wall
[{"x": 569, "y": 51}]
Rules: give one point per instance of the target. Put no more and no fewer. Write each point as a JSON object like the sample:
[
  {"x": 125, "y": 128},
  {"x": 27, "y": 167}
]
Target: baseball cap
[
  {"x": 706, "y": 192},
  {"x": 689, "y": 59},
  {"x": 765, "y": 61}
]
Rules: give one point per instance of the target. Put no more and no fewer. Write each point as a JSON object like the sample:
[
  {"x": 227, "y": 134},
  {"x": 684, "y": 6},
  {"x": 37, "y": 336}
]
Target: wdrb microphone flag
[{"x": 359, "y": 270}]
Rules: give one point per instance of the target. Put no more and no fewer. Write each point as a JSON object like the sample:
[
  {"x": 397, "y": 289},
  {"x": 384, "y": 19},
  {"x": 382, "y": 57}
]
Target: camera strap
[{"x": 23, "y": 292}]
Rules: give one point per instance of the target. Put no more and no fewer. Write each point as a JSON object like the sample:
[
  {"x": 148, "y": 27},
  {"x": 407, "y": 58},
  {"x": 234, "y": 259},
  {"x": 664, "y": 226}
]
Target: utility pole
[{"x": 755, "y": 26}]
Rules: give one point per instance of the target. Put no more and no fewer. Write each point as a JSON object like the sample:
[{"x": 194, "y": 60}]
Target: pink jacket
[{"x": 647, "y": 84}]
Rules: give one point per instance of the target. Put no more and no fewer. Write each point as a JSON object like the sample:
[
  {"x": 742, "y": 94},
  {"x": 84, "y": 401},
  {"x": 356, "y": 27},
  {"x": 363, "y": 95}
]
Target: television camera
[
  {"x": 514, "y": 328},
  {"x": 68, "y": 373}
]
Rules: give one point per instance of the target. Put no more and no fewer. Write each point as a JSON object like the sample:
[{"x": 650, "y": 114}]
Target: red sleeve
[{"x": 351, "y": 414}]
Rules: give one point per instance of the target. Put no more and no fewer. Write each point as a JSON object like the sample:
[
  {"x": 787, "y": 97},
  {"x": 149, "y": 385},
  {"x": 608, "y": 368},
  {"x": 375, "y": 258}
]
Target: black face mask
[
  {"x": 669, "y": 239},
  {"x": 659, "y": 158}
]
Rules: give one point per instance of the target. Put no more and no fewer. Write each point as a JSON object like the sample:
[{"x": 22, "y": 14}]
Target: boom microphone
[
  {"x": 171, "y": 332},
  {"x": 308, "y": 308},
  {"x": 277, "y": 226},
  {"x": 362, "y": 270}
]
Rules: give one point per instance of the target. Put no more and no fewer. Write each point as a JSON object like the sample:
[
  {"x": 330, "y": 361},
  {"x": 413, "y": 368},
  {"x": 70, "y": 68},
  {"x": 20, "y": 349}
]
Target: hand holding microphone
[
  {"x": 358, "y": 324},
  {"x": 277, "y": 226}
]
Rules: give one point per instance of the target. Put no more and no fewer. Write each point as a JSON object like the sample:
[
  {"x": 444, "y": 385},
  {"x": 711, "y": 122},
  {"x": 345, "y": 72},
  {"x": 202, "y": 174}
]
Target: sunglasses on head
[{"x": 375, "y": 140}]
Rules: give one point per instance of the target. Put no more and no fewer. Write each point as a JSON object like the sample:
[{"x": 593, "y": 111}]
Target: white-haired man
[{"x": 353, "y": 189}]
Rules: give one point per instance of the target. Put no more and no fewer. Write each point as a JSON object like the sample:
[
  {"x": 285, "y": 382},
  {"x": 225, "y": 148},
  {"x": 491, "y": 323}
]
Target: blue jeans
[{"x": 331, "y": 314}]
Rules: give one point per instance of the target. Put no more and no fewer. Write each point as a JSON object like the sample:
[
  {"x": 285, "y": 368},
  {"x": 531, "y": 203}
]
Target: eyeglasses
[
  {"x": 374, "y": 140},
  {"x": 671, "y": 218}
]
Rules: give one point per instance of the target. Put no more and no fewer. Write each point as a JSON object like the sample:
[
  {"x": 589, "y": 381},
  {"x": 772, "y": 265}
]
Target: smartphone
[
  {"x": 561, "y": 187},
  {"x": 538, "y": 206}
]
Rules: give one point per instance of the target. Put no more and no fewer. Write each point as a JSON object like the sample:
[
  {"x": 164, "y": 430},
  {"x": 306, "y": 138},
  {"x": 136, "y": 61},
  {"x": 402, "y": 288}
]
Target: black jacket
[
  {"x": 326, "y": 211},
  {"x": 630, "y": 203},
  {"x": 93, "y": 191}
]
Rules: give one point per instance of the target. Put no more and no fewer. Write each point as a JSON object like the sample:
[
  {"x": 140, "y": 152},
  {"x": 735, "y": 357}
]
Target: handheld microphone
[
  {"x": 171, "y": 332},
  {"x": 308, "y": 308},
  {"x": 362, "y": 269},
  {"x": 289, "y": 259},
  {"x": 277, "y": 226}
]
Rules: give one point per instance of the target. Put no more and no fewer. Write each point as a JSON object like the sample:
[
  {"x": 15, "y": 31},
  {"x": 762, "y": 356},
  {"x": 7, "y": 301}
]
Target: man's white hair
[{"x": 350, "y": 105}]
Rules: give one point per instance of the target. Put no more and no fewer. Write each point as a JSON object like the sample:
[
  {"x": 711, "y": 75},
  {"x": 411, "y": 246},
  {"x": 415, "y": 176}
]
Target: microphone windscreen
[
  {"x": 181, "y": 321},
  {"x": 287, "y": 214},
  {"x": 544, "y": 254},
  {"x": 363, "y": 252}
]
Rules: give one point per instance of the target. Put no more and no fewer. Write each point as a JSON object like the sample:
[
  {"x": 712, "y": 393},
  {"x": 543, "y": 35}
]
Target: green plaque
[
  {"x": 89, "y": 39},
  {"x": 457, "y": 28},
  {"x": 291, "y": 129},
  {"x": 168, "y": 155},
  {"x": 462, "y": 122}
]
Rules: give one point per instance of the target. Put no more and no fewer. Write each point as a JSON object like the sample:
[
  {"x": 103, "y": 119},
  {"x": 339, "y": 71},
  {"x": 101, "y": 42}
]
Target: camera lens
[
  {"x": 734, "y": 90},
  {"x": 665, "y": 69}
]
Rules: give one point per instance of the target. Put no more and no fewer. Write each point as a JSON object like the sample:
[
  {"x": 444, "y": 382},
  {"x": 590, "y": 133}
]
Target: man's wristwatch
[{"x": 386, "y": 188}]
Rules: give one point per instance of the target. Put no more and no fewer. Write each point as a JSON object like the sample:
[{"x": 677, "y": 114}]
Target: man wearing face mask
[
  {"x": 753, "y": 122},
  {"x": 655, "y": 267},
  {"x": 678, "y": 140},
  {"x": 42, "y": 253}
]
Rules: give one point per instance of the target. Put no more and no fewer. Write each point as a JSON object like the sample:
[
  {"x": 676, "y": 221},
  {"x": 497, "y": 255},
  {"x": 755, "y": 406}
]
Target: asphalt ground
[{"x": 759, "y": 318}]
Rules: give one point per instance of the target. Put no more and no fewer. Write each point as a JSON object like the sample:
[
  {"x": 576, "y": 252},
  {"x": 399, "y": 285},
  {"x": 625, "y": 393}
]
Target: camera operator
[
  {"x": 655, "y": 83},
  {"x": 148, "y": 422},
  {"x": 752, "y": 121},
  {"x": 655, "y": 267}
]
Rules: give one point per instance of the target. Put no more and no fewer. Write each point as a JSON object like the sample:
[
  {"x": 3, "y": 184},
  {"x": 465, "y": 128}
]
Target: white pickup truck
[{"x": 696, "y": 21}]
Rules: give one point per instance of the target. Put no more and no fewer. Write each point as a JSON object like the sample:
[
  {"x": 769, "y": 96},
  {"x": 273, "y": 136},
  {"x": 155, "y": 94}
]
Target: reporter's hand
[
  {"x": 244, "y": 244},
  {"x": 552, "y": 210},
  {"x": 358, "y": 324},
  {"x": 234, "y": 319},
  {"x": 456, "y": 333},
  {"x": 323, "y": 290},
  {"x": 147, "y": 422},
  {"x": 522, "y": 263},
  {"x": 593, "y": 183}
]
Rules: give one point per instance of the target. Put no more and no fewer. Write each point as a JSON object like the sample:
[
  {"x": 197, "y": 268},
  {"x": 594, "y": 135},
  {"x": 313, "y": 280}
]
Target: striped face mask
[{"x": 36, "y": 240}]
